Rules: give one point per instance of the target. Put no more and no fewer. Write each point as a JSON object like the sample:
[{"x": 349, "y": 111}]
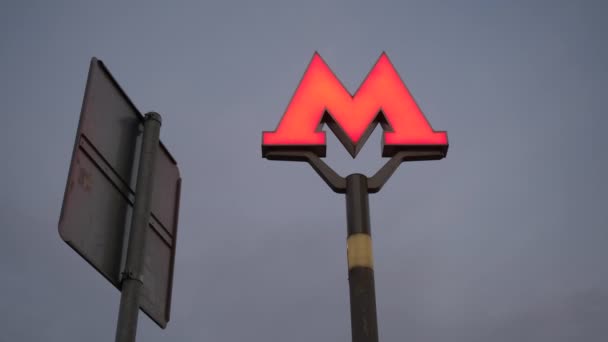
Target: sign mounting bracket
[{"x": 338, "y": 183}]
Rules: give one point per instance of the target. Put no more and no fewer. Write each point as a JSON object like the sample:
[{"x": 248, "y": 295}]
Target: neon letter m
[{"x": 382, "y": 98}]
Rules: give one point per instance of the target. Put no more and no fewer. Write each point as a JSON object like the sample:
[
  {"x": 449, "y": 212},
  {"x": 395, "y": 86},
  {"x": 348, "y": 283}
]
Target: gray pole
[
  {"x": 132, "y": 277},
  {"x": 364, "y": 324}
]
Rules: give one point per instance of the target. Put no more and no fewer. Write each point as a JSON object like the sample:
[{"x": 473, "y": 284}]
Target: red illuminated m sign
[{"x": 382, "y": 98}]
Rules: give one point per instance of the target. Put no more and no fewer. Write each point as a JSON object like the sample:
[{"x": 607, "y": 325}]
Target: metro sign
[{"x": 381, "y": 99}]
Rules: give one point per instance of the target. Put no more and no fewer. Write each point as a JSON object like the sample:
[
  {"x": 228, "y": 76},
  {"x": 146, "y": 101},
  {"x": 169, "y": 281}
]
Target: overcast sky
[{"x": 504, "y": 240}]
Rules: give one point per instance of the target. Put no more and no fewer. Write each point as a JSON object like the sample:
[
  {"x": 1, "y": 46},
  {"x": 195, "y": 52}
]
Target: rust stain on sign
[{"x": 84, "y": 179}]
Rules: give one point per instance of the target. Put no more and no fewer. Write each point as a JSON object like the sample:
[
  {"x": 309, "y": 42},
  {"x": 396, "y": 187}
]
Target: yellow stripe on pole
[{"x": 359, "y": 250}]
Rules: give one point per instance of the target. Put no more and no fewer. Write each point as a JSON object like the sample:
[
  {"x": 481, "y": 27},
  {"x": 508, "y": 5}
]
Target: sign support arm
[
  {"x": 377, "y": 181},
  {"x": 333, "y": 180}
]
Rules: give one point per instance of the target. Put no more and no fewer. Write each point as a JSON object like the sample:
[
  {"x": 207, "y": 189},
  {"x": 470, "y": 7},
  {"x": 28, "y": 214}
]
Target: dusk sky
[{"x": 504, "y": 240}]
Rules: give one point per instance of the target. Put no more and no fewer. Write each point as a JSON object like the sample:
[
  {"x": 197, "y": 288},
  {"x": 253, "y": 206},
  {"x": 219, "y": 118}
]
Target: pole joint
[{"x": 130, "y": 275}]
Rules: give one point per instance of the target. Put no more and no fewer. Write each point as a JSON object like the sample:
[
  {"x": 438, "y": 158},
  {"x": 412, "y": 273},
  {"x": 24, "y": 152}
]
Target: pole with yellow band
[
  {"x": 357, "y": 187},
  {"x": 364, "y": 325}
]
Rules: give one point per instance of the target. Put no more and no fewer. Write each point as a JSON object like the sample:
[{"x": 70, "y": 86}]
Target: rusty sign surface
[{"x": 100, "y": 193}]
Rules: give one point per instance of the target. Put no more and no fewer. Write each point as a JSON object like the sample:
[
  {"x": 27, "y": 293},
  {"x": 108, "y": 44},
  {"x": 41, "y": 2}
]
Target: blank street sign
[{"x": 99, "y": 194}]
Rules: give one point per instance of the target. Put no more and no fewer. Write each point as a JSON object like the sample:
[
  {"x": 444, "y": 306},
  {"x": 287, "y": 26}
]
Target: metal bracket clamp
[
  {"x": 338, "y": 183},
  {"x": 131, "y": 275}
]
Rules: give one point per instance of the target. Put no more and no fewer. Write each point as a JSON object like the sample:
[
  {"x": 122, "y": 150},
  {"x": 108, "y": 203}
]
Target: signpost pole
[
  {"x": 364, "y": 324},
  {"x": 357, "y": 187},
  {"x": 132, "y": 276}
]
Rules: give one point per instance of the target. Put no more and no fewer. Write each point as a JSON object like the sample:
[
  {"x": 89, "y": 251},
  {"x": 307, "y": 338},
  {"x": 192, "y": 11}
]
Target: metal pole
[
  {"x": 132, "y": 281},
  {"x": 364, "y": 324}
]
